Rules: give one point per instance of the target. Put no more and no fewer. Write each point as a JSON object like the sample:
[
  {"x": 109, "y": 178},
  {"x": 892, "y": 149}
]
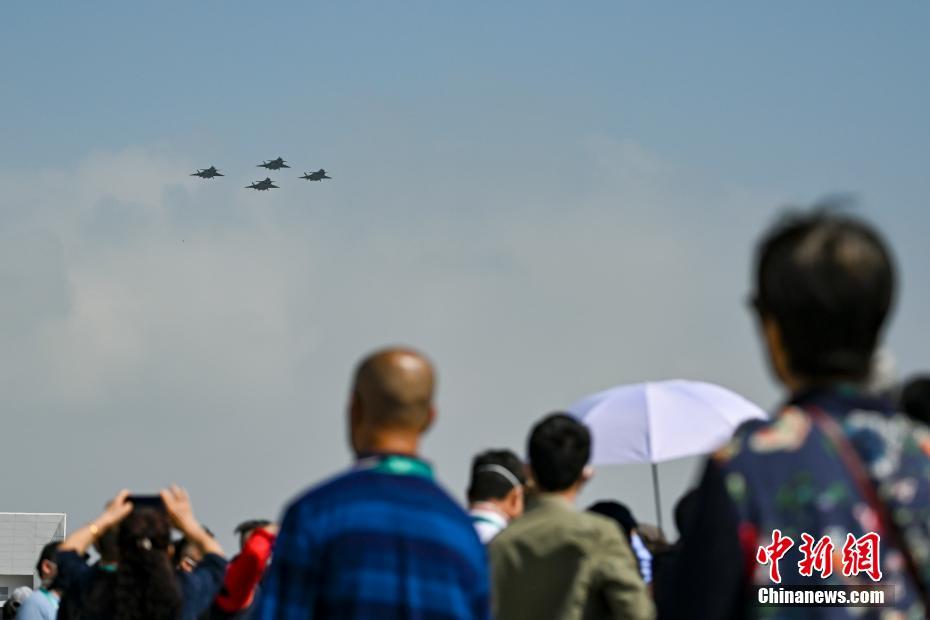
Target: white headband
[{"x": 503, "y": 471}]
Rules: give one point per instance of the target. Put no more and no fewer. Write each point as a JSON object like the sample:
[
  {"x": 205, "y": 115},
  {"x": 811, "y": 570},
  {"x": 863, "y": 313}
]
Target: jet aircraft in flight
[
  {"x": 208, "y": 173},
  {"x": 262, "y": 185},
  {"x": 274, "y": 164},
  {"x": 319, "y": 175}
]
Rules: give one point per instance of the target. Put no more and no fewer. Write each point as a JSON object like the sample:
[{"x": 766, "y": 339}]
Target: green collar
[
  {"x": 397, "y": 465},
  {"x": 51, "y": 596},
  {"x": 488, "y": 520}
]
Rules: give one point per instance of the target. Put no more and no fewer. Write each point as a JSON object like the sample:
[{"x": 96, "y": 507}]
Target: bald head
[{"x": 394, "y": 389}]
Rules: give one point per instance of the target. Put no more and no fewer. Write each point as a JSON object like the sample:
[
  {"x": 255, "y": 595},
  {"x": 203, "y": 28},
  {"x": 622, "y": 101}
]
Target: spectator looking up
[
  {"x": 835, "y": 455},
  {"x": 43, "y": 603},
  {"x": 245, "y": 571},
  {"x": 556, "y": 562},
  {"x": 495, "y": 492},
  {"x": 144, "y": 583},
  {"x": 382, "y": 540}
]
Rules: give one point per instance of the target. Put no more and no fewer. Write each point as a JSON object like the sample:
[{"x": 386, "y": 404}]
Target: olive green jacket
[{"x": 555, "y": 563}]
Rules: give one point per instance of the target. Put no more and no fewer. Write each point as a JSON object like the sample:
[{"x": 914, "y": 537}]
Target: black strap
[{"x": 854, "y": 465}]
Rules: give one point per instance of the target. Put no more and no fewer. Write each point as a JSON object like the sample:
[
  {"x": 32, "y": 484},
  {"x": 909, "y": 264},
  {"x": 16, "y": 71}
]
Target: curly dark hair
[{"x": 146, "y": 588}]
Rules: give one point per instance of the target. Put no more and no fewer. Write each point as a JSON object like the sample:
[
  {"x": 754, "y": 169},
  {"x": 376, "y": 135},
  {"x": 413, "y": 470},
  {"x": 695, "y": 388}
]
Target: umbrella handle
[{"x": 655, "y": 489}]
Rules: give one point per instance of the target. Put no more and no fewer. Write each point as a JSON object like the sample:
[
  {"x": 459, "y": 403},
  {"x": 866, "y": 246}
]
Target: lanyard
[{"x": 396, "y": 465}]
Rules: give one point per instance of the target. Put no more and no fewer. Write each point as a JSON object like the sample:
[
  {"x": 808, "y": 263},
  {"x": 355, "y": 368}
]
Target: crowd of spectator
[{"x": 384, "y": 540}]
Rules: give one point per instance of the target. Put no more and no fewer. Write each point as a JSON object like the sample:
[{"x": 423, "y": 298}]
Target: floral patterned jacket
[{"x": 787, "y": 474}]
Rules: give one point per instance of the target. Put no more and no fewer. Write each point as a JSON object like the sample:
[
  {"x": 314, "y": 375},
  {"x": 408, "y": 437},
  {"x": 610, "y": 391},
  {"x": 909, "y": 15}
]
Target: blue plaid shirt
[{"x": 381, "y": 541}]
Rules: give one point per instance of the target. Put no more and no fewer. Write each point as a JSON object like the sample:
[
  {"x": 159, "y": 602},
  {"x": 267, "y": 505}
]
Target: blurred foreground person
[
  {"x": 144, "y": 583},
  {"x": 245, "y": 571},
  {"x": 383, "y": 540},
  {"x": 43, "y": 603},
  {"x": 628, "y": 524},
  {"x": 834, "y": 461},
  {"x": 495, "y": 493},
  {"x": 915, "y": 399},
  {"x": 555, "y": 562}
]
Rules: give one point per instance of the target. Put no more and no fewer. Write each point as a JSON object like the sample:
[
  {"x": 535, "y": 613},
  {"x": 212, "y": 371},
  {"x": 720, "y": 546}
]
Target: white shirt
[
  {"x": 488, "y": 523},
  {"x": 642, "y": 556}
]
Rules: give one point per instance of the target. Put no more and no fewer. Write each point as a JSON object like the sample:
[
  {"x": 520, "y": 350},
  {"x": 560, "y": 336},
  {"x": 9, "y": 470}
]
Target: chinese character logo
[
  {"x": 817, "y": 556},
  {"x": 860, "y": 555},
  {"x": 773, "y": 553}
]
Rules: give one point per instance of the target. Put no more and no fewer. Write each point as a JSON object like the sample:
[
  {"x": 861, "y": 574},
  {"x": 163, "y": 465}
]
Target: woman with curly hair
[{"x": 143, "y": 584}]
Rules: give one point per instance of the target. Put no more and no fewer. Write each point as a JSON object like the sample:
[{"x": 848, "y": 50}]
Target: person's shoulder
[
  {"x": 323, "y": 492},
  {"x": 786, "y": 431},
  {"x": 543, "y": 521},
  {"x": 437, "y": 506},
  {"x": 442, "y": 501},
  {"x": 367, "y": 489},
  {"x": 37, "y": 606},
  {"x": 507, "y": 538}
]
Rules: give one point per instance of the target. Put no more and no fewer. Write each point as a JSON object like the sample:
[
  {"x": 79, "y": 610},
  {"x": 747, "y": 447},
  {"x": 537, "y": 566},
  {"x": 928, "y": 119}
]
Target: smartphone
[{"x": 146, "y": 501}]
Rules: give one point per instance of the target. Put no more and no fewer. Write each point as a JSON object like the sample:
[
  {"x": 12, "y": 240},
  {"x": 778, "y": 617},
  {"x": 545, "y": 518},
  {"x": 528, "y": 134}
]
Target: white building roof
[{"x": 22, "y": 536}]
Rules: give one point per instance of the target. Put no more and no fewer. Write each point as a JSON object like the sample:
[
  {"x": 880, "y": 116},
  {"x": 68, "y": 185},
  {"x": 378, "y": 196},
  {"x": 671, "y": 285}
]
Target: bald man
[{"x": 382, "y": 540}]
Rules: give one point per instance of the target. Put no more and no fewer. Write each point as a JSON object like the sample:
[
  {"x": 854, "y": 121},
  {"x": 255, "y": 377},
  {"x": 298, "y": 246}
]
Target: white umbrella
[{"x": 660, "y": 421}]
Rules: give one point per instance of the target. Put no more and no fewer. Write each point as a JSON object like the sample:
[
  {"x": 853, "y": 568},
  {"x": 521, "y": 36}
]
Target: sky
[{"x": 548, "y": 200}]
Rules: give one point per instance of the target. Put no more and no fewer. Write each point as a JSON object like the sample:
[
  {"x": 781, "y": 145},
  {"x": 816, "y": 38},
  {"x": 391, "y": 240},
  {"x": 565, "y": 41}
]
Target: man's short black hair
[
  {"x": 617, "y": 512},
  {"x": 245, "y": 529},
  {"x": 915, "y": 399},
  {"x": 488, "y": 482},
  {"x": 252, "y": 524},
  {"x": 559, "y": 448},
  {"x": 50, "y": 553},
  {"x": 827, "y": 280}
]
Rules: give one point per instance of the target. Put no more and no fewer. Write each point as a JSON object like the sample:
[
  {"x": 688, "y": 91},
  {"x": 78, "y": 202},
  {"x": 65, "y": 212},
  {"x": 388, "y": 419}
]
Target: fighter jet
[
  {"x": 208, "y": 173},
  {"x": 319, "y": 175},
  {"x": 262, "y": 185},
  {"x": 274, "y": 164}
]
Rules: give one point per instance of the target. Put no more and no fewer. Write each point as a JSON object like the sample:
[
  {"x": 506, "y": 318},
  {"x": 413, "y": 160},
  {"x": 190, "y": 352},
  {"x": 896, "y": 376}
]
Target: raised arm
[
  {"x": 81, "y": 539},
  {"x": 245, "y": 570},
  {"x": 178, "y": 504}
]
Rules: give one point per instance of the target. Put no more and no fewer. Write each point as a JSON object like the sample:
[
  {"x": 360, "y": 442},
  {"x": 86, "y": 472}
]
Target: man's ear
[
  {"x": 514, "y": 502},
  {"x": 778, "y": 354},
  {"x": 356, "y": 413},
  {"x": 430, "y": 418},
  {"x": 587, "y": 473}
]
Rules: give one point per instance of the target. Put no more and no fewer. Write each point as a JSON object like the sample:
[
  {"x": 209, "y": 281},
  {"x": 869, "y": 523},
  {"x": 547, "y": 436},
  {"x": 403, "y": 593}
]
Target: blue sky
[
  {"x": 550, "y": 200},
  {"x": 737, "y": 88}
]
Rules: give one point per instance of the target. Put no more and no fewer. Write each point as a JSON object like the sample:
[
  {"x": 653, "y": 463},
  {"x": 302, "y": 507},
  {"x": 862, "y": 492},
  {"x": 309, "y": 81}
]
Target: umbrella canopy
[{"x": 660, "y": 421}]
